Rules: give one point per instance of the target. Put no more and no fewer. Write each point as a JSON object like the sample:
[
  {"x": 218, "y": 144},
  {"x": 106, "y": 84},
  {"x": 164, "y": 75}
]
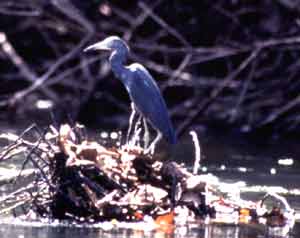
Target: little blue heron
[{"x": 142, "y": 89}]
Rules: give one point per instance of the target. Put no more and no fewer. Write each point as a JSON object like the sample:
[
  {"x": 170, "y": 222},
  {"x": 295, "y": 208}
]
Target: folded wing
[{"x": 148, "y": 100}]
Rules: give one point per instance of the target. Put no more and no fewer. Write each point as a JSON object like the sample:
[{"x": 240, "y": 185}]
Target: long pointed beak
[{"x": 97, "y": 46}]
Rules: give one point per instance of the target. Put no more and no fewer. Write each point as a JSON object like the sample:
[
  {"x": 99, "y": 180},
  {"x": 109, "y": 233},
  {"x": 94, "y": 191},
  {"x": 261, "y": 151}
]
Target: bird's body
[
  {"x": 148, "y": 101},
  {"x": 141, "y": 87}
]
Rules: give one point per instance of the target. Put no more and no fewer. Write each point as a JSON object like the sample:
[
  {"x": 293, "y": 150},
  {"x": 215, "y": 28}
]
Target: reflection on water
[
  {"x": 232, "y": 160},
  {"x": 205, "y": 231}
]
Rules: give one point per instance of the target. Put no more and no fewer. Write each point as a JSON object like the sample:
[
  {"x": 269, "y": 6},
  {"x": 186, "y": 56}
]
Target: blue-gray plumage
[{"x": 141, "y": 87}]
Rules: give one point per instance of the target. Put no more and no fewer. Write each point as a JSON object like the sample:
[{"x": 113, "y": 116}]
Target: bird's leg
[
  {"x": 136, "y": 128},
  {"x": 138, "y": 122},
  {"x": 151, "y": 148},
  {"x": 135, "y": 137},
  {"x": 131, "y": 118},
  {"x": 146, "y": 134}
]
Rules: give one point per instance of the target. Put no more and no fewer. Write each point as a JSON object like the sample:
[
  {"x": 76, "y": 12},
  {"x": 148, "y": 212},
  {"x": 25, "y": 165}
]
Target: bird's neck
[{"x": 117, "y": 59}]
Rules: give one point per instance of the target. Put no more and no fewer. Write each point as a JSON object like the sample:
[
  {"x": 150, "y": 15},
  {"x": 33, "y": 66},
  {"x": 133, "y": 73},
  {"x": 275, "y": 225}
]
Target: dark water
[
  {"x": 209, "y": 231},
  {"x": 230, "y": 158}
]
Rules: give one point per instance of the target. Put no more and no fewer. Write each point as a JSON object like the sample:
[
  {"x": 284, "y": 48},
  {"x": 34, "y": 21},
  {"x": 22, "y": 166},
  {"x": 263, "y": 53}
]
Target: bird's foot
[{"x": 150, "y": 150}]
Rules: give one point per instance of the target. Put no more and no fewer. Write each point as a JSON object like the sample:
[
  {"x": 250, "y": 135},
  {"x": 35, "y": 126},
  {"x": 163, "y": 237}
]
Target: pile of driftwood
[{"x": 80, "y": 180}]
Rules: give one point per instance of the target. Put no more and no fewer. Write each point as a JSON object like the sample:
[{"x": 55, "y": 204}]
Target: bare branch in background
[{"x": 218, "y": 60}]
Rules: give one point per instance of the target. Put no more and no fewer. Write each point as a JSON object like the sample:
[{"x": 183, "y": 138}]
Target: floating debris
[
  {"x": 286, "y": 161},
  {"x": 78, "y": 180},
  {"x": 273, "y": 171}
]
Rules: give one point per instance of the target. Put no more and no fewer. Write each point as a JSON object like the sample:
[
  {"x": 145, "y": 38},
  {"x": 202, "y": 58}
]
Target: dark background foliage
[{"x": 224, "y": 64}]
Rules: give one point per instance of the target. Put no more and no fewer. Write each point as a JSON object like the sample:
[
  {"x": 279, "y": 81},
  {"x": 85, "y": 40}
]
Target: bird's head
[{"x": 111, "y": 43}]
